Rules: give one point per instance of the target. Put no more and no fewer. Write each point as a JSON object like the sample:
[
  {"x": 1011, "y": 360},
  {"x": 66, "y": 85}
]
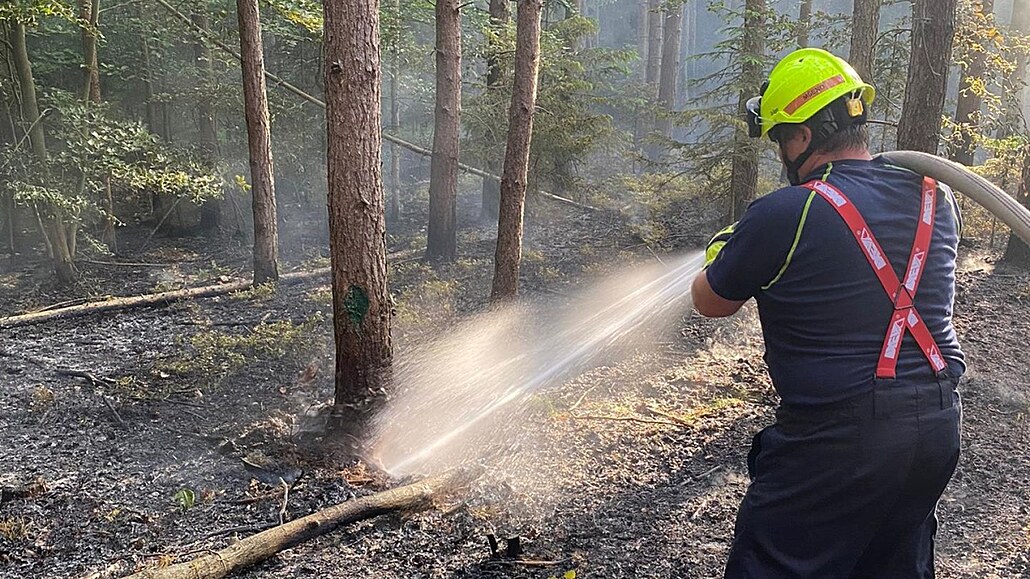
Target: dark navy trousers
[{"x": 849, "y": 490}]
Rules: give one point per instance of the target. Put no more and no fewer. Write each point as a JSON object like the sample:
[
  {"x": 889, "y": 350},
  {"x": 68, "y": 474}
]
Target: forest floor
[{"x": 105, "y": 420}]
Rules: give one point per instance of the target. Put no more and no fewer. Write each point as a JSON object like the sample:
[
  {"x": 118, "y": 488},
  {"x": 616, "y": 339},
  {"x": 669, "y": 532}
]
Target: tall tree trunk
[
  {"x": 865, "y": 25},
  {"x": 499, "y": 17},
  {"x": 54, "y": 227},
  {"x": 443, "y": 179},
  {"x": 804, "y": 22},
  {"x": 357, "y": 226},
  {"x": 642, "y": 36},
  {"x": 89, "y": 12},
  {"x": 516, "y": 157},
  {"x": 933, "y": 31},
  {"x": 654, "y": 43},
  {"x": 1017, "y": 252},
  {"x": 266, "y": 238},
  {"x": 667, "y": 81},
  {"x": 744, "y": 175},
  {"x": 395, "y": 119},
  {"x": 210, "y": 209},
  {"x": 967, "y": 111},
  {"x": 8, "y": 137},
  {"x": 152, "y": 114}
]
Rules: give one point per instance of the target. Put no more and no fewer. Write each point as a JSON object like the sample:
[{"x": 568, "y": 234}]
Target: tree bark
[
  {"x": 933, "y": 31},
  {"x": 395, "y": 121},
  {"x": 865, "y": 25},
  {"x": 54, "y": 227},
  {"x": 357, "y": 224},
  {"x": 89, "y": 12},
  {"x": 256, "y": 548},
  {"x": 804, "y": 22},
  {"x": 210, "y": 209},
  {"x": 266, "y": 239},
  {"x": 1017, "y": 252},
  {"x": 967, "y": 110},
  {"x": 500, "y": 15},
  {"x": 744, "y": 172},
  {"x": 654, "y": 43},
  {"x": 642, "y": 29},
  {"x": 667, "y": 80},
  {"x": 516, "y": 158},
  {"x": 443, "y": 180}
]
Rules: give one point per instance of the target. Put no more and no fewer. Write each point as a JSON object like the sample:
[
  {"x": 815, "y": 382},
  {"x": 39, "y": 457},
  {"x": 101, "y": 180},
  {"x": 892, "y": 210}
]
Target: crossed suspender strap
[{"x": 905, "y": 317}]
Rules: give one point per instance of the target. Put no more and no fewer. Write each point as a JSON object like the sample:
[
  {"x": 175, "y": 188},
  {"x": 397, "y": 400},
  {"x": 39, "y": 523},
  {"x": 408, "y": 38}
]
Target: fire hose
[{"x": 977, "y": 188}]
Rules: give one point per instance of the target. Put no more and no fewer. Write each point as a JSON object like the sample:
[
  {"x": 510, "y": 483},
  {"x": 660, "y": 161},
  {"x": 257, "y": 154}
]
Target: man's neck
[{"x": 820, "y": 158}]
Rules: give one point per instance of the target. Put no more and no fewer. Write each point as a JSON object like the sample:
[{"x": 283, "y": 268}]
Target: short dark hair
[{"x": 853, "y": 137}]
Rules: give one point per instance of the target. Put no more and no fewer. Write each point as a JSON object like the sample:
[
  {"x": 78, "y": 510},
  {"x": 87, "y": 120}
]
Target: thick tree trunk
[
  {"x": 804, "y": 22},
  {"x": 933, "y": 31},
  {"x": 499, "y": 17},
  {"x": 654, "y": 43},
  {"x": 210, "y": 209},
  {"x": 865, "y": 25},
  {"x": 516, "y": 158},
  {"x": 357, "y": 225},
  {"x": 266, "y": 239},
  {"x": 667, "y": 80},
  {"x": 443, "y": 179},
  {"x": 744, "y": 174},
  {"x": 967, "y": 111}
]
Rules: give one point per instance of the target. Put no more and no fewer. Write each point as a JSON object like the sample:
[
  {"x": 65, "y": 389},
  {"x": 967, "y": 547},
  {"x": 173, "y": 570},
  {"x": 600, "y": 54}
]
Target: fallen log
[
  {"x": 150, "y": 300},
  {"x": 256, "y": 548}
]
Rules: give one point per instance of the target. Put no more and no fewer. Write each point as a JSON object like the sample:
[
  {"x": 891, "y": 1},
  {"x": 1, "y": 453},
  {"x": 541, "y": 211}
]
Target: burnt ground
[{"x": 631, "y": 470}]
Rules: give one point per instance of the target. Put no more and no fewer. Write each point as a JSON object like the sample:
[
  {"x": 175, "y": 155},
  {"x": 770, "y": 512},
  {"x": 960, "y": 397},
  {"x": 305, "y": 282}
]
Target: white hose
[{"x": 1001, "y": 204}]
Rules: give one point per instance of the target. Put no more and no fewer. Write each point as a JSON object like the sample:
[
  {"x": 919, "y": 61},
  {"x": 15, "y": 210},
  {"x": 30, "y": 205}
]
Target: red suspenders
[{"x": 905, "y": 316}]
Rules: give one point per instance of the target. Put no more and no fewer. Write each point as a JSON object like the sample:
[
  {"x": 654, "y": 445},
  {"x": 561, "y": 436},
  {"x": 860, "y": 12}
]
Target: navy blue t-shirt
[{"x": 824, "y": 313}]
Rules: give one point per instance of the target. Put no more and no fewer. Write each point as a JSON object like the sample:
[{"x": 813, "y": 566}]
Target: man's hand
[{"x": 716, "y": 244}]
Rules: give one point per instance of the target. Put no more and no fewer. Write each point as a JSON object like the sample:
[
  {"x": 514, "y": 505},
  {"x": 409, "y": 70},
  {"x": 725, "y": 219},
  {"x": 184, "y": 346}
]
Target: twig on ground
[
  {"x": 529, "y": 562},
  {"x": 167, "y": 400},
  {"x": 581, "y": 398},
  {"x": 672, "y": 417},
  {"x": 126, "y": 263},
  {"x": 236, "y": 529},
  {"x": 621, "y": 419},
  {"x": 286, "y": 498},
  {"x": 708, "y": 472}
]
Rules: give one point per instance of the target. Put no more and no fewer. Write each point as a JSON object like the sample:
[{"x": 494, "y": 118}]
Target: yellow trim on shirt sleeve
[{"x": 797, "y": 238}]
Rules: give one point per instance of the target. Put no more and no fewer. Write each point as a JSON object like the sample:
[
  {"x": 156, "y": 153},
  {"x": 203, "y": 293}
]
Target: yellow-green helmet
[{"x": 803, "y": 83}]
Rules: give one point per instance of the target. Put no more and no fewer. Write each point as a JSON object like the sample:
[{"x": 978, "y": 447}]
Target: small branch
[
  {"x": 621, "y": 419},
  {"x": 671, "y": 417}
]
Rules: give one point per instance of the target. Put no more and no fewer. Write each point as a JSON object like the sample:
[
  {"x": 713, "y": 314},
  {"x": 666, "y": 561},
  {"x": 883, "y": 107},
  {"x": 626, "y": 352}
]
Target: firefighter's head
[{"x": 813, "y": 101}]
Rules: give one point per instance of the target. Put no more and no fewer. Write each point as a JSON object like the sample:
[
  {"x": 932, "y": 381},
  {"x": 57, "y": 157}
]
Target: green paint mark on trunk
[{"x": 355, "y": 303}]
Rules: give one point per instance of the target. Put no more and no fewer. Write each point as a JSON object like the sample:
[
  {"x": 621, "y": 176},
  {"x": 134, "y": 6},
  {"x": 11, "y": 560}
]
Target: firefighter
[{"x": 853, "y": 270}]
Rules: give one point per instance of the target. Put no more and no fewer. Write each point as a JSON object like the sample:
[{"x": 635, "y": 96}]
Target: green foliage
[
  {"x": 570, "y": 124},
  {"x": 215, "y": 355},
  {"x": 185, "y": 498},
  {"x": 88, "y": 145},
  {"x": 29, "y": 12}
]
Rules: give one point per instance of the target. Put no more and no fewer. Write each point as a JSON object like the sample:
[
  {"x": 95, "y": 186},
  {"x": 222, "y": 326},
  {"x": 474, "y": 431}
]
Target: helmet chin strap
[{"x": 794, "y": 167}]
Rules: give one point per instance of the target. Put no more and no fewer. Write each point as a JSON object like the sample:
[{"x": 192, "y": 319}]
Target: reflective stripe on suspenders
[{"x": 905, "y": 316}]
